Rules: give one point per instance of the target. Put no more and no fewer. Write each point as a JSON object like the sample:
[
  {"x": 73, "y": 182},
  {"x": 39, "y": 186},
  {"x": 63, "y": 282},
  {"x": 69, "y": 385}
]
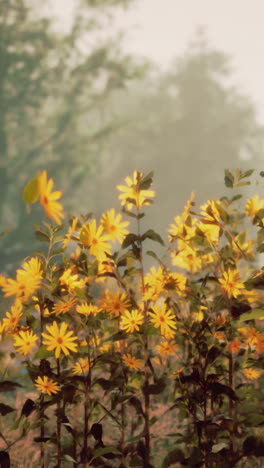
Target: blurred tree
[
  {"x": 187, "y": 124},
  {"x": 52, "y": 89}
]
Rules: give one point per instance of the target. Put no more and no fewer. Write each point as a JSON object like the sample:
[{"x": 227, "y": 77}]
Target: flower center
[{"x": 59, "y": 340}]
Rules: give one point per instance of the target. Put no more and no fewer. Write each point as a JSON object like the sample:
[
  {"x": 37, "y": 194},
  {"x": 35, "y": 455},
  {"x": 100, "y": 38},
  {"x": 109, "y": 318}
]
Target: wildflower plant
[{"x": 106, "y": 341}]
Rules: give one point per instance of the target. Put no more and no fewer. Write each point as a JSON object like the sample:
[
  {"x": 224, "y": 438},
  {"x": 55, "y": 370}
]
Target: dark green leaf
[
  {"x": 28, "y": 407},
  {"x": 42, "y": 236},
  {"x": 136, "y": 403},
  {"x": 97, "y": 431},
  {"x": 42, "y": 439},
  {"x": 8, "y": 386},
  {"x": 150, "y": 234},
  {"x": 229, "y": 179},
  {"x": 175, "y": 456},
  {"x": 146, "y": 181},
  {"x": 213, "y": 353},
  {"x": 219, "y": 389},
  {"x": 5, "y": 409},
  {"x": 253, "y": 446},
  {"x": 129, "y": 240}
]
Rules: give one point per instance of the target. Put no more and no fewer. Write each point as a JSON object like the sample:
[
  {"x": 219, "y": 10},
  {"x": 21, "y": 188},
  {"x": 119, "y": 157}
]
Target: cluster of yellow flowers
[{"x": 195, "y": 240}]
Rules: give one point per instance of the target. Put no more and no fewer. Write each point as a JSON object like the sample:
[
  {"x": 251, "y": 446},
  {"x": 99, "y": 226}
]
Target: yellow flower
[
  {"x": 251, "y": 374},
  {"x": 210, "y": 231},
  {"x": 27, "y": 281},
  {"x": 132, "y": 362},
  {"x": 198, "y": 316},
  {"x": 107, "y": 265},
  {"x": 46, "y": 385},
  {"x": 253, "y": 205},
  {"x": 163, "y": 319},
  {"x": 174, "y": 281},
  {"x": 25, "y": 341},
  {"x": 12, "y": 319},
  {"x": 71, "y": 280},
  {"x": 252, "y": 335},
  {"x": 59, "y": 339},
  {"x": 70, "y": 233},
  {"x": 95, "y": 240},
  {"x": 131, "y": 321},
  {"x": 48, "y": 199},
  {"x": 133, "y": 194},
  {"x": 211, "y": 211},
  {"x": 153, "y": 284},
  {"x": 160, "y": 281},
  {"x": 219, "y": 320},
  {"x": 235, "y": 345},
  {"x": 231, "y": 283},
  {"x": 114, "y": 303},
  {"x": 167, "y": 348},
  {"x": 219, "y": 336},
  {"x": 187, "y": 258},
  {"x": 112, "y": 224},
  {"x": 181, "y": 230},
  {"x": 62, "y": 307},
  {"x": 87, "y": 309},
  {"x": 81, "y": 366}
]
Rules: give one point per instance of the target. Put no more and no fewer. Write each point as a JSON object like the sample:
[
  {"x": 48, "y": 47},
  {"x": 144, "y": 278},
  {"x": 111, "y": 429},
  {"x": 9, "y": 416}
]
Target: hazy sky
[{"x": 162, "y": 29}]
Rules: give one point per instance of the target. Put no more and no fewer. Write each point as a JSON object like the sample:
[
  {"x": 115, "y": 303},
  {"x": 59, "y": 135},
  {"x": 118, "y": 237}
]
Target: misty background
[{"x": 93, "y": 89}]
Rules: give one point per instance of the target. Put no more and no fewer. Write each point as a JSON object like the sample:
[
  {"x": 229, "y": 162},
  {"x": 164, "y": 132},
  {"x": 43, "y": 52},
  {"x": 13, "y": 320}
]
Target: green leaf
[
  {"x": 28, "y": 407},
  {"x": 152, "y": 254},
  {"x": 69, "y": 458},
  {"x": 43, "y": 353},
  {"x": 31, "y": 193},
  {"x": 218, "y": 447},
  {"x": 254, "y": 314},
  {"x": 213, "y": 353},
  {"x": 247, "y": 173},
  {"x": 105, "y": 450},
  {"x": 146, "y": 181},
  {"x": 253, "y": 446},
  {"x": 219, "y": 389},
  {"x": 175, "y": 456},
  {"x": 229, "y": 179},
  {"x": 156, "y": 388},
  {"x": 120, "y": 335},
  {"x": 8, "y": 386},
  {"x": 129, "y": 240},
  {"x": 150, "y": 234},
  {"x": 5, "y": 409},
  {"x": 42, "y": 439},
  {"x": 42, "y": 236}
]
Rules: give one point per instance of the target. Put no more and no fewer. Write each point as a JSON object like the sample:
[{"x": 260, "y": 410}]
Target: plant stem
[
  {"x": 231, "y": 405},
  {"x": 59, "y": 453},
  {"x": 146, "y": 354},
  {"x": 41, "y": 413}
]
